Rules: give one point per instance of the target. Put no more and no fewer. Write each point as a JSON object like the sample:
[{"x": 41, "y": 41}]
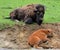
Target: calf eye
[{"x": 48, "y": 31}]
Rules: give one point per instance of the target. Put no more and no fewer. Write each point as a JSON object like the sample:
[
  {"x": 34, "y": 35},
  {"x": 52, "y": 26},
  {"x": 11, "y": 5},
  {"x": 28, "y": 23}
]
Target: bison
[
  {"x": 39, "y": 36},
  {"x": 29, "y": 14}
]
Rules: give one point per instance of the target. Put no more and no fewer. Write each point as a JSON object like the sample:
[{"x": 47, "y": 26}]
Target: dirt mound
[{"x": 16, "y": 37}]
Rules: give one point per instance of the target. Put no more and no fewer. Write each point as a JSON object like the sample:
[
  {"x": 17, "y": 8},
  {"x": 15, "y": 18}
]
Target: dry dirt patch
[{"x": 16, "y": 37}]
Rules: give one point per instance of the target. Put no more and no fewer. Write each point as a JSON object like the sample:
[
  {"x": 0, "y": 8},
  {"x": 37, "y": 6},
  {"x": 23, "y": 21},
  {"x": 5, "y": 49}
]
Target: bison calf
[{"x": 38, "y": 37}]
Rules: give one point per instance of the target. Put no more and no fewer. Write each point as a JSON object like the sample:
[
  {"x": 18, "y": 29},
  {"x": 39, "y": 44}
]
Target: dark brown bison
[{"x": 29, "y": 14}]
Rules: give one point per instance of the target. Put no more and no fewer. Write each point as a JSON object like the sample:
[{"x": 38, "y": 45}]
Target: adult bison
[{"x": 29, "y": 14}]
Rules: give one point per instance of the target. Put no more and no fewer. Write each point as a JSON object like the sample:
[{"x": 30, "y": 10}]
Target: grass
[{"x": 52, "y": 14}]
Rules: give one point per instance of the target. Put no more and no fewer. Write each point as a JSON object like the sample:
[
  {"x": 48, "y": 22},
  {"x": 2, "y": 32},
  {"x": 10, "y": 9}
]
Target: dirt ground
[{"x": 16, "y": 37}]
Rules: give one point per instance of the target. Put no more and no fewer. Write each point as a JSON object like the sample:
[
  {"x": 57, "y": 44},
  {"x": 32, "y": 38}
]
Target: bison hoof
[{"x": 39, "y": 22}]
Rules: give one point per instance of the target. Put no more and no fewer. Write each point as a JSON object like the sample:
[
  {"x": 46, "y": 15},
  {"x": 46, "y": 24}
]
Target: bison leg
[
  {"x": 39, "y": 20},
  {"x": 28, "y": 21}
]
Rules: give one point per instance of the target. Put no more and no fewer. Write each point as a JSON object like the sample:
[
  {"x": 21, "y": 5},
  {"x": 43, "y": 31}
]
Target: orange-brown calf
[{"x": 39, "y": 37}]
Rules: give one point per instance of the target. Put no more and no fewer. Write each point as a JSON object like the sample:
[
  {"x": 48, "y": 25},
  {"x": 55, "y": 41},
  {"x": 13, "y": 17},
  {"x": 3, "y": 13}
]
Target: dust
[{"x": 16, "y": 36}]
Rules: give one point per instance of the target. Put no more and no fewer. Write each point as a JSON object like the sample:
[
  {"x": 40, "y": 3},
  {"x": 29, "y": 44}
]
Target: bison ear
[{"x": 44, "y": 7}]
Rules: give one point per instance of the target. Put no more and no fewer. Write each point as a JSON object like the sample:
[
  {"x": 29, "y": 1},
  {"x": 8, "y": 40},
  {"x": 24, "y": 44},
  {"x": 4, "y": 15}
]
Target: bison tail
[{"x": 7, "y": 17}]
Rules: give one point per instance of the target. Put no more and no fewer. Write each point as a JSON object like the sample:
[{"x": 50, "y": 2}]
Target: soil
[{"x": 16, "y": 37}]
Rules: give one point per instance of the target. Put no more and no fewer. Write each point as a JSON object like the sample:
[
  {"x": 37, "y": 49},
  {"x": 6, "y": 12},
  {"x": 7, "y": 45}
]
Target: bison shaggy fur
[{"x": 29, "y": 13}]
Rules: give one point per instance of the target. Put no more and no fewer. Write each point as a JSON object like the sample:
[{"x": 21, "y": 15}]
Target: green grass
[{"x": 52, "y": 14}]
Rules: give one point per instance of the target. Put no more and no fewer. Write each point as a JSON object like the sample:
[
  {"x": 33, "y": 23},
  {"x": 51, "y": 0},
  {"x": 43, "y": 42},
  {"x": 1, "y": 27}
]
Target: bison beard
[
  {"x": 29, "y": 14},
  {"x": 39, "y": 13}
]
